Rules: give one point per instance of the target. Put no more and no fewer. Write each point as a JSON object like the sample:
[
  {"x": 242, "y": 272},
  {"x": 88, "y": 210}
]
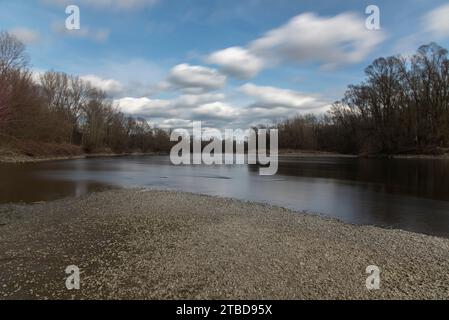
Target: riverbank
[
  {"x": 25, "y": 151},
  {"x": 314, "y": 154},
  {"x": 30, "y": 151},
  {"x": 11, "y": 157},
  {"x": 138, "y": 244}
]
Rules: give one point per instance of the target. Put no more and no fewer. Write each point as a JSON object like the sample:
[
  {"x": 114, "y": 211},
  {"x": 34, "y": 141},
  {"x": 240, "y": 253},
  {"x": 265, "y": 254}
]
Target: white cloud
[
  {"x": 110, "y": 86},
  {"x": 237, "y": 62},
  {"x": 145, "y": 107},
  {"x": 26, "y": 35},
  {"x": 272, "y": 97},
  {"x": 216, "y": 110},
  {"x": 436, "y": 22},
  {"x": 196, "y": 79},
  {"x": 138, "y": 77},
  {"x": 329, "y": 41},
  {"x": 182, "y": 105},
  {"x": 36, "y": 75},
  {"x": 98, "y": 35},
  {"x": 270, "y": 104},
  {"x": 181, "y": 111},
  {"x": 271, "y": 114},
  {"x": 434, "y": 25},
  {"x": 194, "y": 100},
  {"x": 174, "y": 123},
  {"x": 106, "y": 4}
]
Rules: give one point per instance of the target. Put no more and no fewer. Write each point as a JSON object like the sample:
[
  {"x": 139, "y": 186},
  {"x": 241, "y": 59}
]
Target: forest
[
  {"x": 402, "y": 107},
  {"x": 60, "y": 115}
]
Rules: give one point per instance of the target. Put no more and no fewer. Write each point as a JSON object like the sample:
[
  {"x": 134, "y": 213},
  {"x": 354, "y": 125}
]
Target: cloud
[
  {"x": 328, "y": 41},
  {"x": 216, "y": 111},
  {"x": 98, "y": 35},
  {"x": 145, "y": 107},
  {"x": 106, "y": 4},
  {"x": 195, "y": 79},
  {"x": 436, "y": 22},
  {"x": 237, "y": 61},
  {"x": 179, "y": 112},
  {"x": 434, "y": 25},
  {"x": 270, "y": 104},
  {"x": 193, "y": 100},
  {"x": 174, "y": 123},
  {"x": 110, "y": 86},
  {"x": 268, "y": 115},
  {"x": 36, "y": 75},
  {"x": 272, "y": 97},
  {"x": 254, "y": 115},
  {"x": 181, "y": 105},
  {"x": 138, "y": 77},
  {"x": 27, "y": 36}
]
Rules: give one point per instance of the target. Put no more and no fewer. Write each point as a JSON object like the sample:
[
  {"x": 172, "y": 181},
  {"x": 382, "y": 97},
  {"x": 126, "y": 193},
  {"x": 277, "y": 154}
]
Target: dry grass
[
  {"x": 27, "y": 150},
  {"x": 41, "y": 149}
]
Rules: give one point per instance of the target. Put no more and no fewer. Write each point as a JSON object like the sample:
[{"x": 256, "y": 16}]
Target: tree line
[
  {"x": 402, "y": 106},
  {"x": 60, "y": 109}
]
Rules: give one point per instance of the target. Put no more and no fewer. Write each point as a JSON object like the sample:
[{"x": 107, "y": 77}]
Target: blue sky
[{"x": 228, "y": 63}]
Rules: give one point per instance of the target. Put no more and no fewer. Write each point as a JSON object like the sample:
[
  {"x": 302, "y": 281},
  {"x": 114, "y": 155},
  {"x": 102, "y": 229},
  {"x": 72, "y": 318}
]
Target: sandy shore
[{"x": 164, "y": 245}]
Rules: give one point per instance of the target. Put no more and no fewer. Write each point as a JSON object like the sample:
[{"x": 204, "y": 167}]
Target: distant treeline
[
  {"x": 60, "y": 109},
  {"x": 401, "y": 107}
]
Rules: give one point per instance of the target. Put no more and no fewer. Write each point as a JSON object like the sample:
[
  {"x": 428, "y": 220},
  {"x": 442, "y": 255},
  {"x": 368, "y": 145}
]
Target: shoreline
[
  {"x": 317, "y": 154},
  {"x": 20, "y": 159},
  {"x": 140, "y": 244}
]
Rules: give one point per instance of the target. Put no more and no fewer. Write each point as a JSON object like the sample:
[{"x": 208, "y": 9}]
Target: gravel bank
[
  {"x": 164, "y": 245},
  {"x": 20, "y": 158}
]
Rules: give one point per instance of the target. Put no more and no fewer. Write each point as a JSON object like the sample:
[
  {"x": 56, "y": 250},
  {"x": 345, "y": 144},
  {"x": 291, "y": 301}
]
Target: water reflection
[{"x": 407, "y": 194}]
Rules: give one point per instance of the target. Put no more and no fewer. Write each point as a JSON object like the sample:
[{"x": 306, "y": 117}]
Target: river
[{"x": 409, "y": 194}]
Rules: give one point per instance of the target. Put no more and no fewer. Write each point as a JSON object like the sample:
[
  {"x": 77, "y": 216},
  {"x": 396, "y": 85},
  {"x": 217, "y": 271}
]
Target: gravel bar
[{"x": 140, "y": 244}]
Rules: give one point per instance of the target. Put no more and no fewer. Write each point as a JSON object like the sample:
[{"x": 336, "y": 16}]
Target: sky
[{"x": 227, "y": 63}]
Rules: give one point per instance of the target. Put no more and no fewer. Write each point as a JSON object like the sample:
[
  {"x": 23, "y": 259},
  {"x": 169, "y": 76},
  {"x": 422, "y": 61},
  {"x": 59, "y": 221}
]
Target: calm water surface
[{"x": 406, "y": 194}]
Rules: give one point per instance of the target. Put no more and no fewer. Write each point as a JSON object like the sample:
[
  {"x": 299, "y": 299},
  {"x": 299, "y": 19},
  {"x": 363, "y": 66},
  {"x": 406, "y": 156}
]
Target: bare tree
[
  {"x": 12, "y": 53},
  {"x": 401, "y": 106},
  {"x": 13, "y": 63},
  {"x": 67, "y": 95}
]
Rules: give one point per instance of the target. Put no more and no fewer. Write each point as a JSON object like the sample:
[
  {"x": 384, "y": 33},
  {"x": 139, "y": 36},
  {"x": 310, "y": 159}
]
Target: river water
[{"x": 409, "y": 194}]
